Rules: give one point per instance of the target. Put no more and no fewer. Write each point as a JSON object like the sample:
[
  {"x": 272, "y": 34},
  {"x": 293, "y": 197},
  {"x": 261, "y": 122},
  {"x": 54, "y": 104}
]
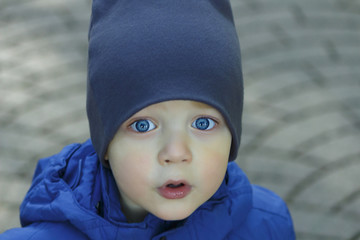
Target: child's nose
[{"x": 175, "y": 150}]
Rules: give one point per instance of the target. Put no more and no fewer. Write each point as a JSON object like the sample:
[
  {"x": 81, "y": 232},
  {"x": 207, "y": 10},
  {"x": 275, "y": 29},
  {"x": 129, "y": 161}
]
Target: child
[{"x": 164, "y": 103}]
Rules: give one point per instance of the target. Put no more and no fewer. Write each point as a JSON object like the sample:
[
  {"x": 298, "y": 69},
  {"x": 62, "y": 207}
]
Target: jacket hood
[{"x": 73, "y": 186}]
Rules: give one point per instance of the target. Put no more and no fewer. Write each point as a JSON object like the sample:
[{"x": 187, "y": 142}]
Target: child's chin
[{"x": 174, "y": 216}]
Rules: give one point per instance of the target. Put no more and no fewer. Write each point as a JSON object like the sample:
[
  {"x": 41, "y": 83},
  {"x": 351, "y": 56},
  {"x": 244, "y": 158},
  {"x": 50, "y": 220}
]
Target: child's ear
[{"x": 106, "y": 162}]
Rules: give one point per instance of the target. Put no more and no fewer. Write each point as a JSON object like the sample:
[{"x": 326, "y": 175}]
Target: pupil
[
  {"x": 202, "y": 123},
  {"x": 142, "y": 126}
]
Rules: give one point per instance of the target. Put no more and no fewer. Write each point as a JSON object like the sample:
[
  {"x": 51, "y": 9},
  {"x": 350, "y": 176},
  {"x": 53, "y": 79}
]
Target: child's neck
[{"x": 133, "y": 215}]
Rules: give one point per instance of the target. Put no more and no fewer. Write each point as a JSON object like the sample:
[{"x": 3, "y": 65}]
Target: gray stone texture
[{"x": 301, "y": 128}]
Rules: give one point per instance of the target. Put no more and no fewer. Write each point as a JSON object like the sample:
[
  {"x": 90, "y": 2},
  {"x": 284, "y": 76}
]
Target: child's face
[{"x": 169, "y": 158}]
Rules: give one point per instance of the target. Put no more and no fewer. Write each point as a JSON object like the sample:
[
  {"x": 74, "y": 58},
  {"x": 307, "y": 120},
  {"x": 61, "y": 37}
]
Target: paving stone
[
  {"x": 275, "y": 170},
  {"x": 291, "y": 134},
  {"x": 323, "y": 184},
  {"x": 316, "y": 225},
  {"x": 350, "y": 205},
  {"x": 335, "y": 147},
  {"x": 13, "y": 190},
  {"x": 9, "y": 217}
]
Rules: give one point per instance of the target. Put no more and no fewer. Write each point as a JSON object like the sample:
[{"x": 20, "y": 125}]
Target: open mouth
[
  {"x": 174, "y": 189},
  {"x": 171, "y": 185}
]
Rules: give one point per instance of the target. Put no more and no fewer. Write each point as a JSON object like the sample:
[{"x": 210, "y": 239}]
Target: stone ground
[{"x": 302, "y": 102}]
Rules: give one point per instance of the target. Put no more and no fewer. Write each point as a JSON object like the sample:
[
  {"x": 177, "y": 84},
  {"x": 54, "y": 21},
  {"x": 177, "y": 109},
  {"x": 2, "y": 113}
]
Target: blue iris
[
  {"x": 203, "y": 123},
  {"x": 143, "y": 125}
]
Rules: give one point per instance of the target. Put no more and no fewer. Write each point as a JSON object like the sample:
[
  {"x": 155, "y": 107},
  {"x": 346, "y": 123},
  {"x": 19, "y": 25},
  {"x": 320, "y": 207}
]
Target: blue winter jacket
[{"x": 74, "y": 197}]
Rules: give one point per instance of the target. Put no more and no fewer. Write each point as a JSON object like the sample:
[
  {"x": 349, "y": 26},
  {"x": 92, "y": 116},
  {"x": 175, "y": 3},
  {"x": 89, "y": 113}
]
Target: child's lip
[{"x": 174, "y": 189}]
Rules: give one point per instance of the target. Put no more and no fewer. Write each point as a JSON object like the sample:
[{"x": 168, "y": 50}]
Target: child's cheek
[
  {"x": 129, "y": 156},
  {"x": 213, "y": 155},
  {"x": 218, "y": 144},
  {"x": 133, "y": 171},
  {"x": 134, "y": 158}
]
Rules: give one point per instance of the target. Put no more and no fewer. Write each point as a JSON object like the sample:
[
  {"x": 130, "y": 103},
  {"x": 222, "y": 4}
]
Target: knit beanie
[{"x": 143, "y": 52}]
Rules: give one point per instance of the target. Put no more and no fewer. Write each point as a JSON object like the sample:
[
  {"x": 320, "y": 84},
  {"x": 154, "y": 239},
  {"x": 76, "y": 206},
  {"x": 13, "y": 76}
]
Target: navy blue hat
[{"x": 145, "y": 52}]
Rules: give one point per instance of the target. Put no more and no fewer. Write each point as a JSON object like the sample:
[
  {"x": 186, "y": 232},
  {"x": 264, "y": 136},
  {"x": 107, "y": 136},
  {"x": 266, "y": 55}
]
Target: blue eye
[
  {"x": 143, "y": 125},
  {"x": 203, "y": 123}
]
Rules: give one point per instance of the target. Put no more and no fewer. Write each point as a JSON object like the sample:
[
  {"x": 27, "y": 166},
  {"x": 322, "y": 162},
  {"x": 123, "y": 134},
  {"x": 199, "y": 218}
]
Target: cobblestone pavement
[{"x": 302, "y": 92}]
